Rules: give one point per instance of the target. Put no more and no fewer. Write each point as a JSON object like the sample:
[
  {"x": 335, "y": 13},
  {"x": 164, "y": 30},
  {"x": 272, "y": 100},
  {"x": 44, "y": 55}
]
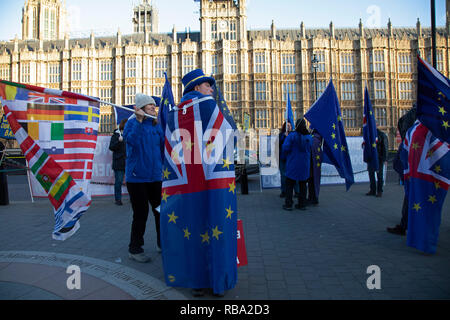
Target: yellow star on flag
[
  {"x": 442, "y": 110},
  {"x": 166, "y": 173},
  {"x": 437, "y": 168},
  {"x": 318, "y": 164},
  {"x": 417, "y": 207},
  {"x": 209, "y": 147},
  {"x": 164, "y": 196},
  {"x": 317, "y": 157},
  {"x": 334, "y": 126},
  {"x": 343, "y": 148},
  {"x": 339, "y": 118},
  {"x": 186, "y": 233},
  {"x": 333, "y": 135},
  {"x": 216, "y": 232},
  {"x": 445, "y": 124},
  {"x": 335, "y": 146},
  {"x": 171, "y": 278},
  {"x": 415, "y": 146},
  {"x": 174, "y": 156},
  {"x": 205, "y": 237},
  {"x": 432, "y": 199},
  {"x": 172, "y": 217},
  {"x": 232, "y": 187},
  {"x": 374, "y": 145},
  {"x": 437, "y": 185},
  {"x": 229, "y": 212},
  {"x": 188, "y": 144},
  {"x": 226, "y": 163}
]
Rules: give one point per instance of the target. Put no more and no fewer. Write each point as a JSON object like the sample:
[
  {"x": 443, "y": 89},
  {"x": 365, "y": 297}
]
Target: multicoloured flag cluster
[{"x": 57, "y": 132}]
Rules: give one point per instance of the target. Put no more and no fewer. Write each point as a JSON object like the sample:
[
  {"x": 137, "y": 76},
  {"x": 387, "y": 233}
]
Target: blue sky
[{"x": 106, "y": 16}]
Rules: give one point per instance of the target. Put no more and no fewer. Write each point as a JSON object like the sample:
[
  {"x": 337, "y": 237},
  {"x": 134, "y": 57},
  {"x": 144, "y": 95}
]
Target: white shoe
[{"x": 139, "y": 257}]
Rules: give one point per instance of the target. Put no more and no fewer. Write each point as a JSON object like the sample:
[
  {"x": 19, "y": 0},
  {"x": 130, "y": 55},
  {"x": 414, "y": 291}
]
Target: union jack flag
[
  {"x": 198, "y": 207},
  {"x": 39, "y": 97},
  {"x": 426, "y": 160}
]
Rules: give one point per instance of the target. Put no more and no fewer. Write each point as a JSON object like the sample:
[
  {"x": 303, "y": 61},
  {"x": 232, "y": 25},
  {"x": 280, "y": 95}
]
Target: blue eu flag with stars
[
  {"x": 433, "y": 100},
  {"x": 325, "y": 116},
  {"x": 167, "y": 103},
  {"x": 370, "y": 153}
]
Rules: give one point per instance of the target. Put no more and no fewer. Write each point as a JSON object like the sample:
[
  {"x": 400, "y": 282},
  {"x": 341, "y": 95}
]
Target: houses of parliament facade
[{"x": 255, "y": 69}]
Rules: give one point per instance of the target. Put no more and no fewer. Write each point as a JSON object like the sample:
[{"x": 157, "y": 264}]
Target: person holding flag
[
  {"x": 426, "y": 158},
  {"x": 143, "y": 171},
  {"x": 297, "y": 150},
  {"x": 375, "y": 148},
  {"x": 198, "y": 208}
]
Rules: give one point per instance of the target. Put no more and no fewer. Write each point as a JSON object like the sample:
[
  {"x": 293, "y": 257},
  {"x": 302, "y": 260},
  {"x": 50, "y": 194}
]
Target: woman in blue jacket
[
  {"x": 297, "y": 149},
  {"x": 143, "y": 172}
]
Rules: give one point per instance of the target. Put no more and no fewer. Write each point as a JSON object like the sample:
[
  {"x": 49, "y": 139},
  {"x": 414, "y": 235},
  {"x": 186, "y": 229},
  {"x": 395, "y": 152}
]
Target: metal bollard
[
  {"x": 244, "y": 182},
  {"x": 4, "y": 196}
]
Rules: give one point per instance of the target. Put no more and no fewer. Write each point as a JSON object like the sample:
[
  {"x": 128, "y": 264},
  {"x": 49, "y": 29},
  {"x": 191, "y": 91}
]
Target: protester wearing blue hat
[
  {"x": 197, "y": 78},
  {"x": 209, "y": 264}
]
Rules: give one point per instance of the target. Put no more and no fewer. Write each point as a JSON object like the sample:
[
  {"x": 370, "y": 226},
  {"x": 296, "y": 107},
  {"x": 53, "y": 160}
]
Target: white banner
[
  {"x": 269, "y": 171},
  {"x": 330, "y": 174}
]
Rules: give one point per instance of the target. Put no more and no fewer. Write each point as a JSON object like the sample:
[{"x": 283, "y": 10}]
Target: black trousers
[
  {"x": 141, "y": 194},
  {"x": 301, "y": 195},
  {"x": 376, "y": 186},
  {"x": 404, "y": 220}
]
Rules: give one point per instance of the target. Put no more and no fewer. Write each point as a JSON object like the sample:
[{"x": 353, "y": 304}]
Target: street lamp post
[{"x": 314, "y": 63}]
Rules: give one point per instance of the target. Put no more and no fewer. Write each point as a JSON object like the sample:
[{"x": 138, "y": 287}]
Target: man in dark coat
[
  {"x": 376, "y": 187},
  {"x": 404, "y": 123},
  {"x": 118, "y": 147}
]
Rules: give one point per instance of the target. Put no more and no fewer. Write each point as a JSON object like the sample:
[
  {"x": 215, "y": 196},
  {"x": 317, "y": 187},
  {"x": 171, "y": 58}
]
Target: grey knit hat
[{"x": 143, "y": 100}]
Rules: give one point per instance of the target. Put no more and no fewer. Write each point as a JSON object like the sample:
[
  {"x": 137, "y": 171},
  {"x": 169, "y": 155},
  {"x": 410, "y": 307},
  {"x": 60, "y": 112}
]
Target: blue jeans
[{"x": 118, "y": 179}]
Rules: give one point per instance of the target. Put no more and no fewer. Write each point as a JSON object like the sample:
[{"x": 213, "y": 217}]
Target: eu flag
[
  {"x": 198, "y": 206},
  {"x": 217, "y": 94},
  {"x": 325, "y": 116},
  {"x": 426, "y": 160},
  {"x": 433, "y": 100},
  {"x": 167, "y": 103},
  {"x": 370, "y": 153},
  {"x": 289, "y": 116}
]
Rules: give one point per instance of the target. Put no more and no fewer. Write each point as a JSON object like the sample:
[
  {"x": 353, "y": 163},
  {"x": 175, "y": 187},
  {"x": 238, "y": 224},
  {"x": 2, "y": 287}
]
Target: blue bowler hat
[{"x": 195, "y": 77}]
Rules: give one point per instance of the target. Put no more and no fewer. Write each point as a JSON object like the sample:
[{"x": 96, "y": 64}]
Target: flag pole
[
  {"x": 433, "y": 32},
  {"x": 124, "y": 108}
]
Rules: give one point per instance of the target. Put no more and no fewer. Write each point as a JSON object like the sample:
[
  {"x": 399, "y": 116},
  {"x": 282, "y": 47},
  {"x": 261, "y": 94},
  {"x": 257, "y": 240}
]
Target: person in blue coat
[
  {"x": 297, "y": 149},
  {"x": 143, "y": 173},
  {"x": 286, "y": 129}
]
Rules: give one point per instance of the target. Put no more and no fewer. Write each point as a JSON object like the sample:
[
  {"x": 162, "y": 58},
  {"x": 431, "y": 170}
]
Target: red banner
[{"x": 241, "y": 251}]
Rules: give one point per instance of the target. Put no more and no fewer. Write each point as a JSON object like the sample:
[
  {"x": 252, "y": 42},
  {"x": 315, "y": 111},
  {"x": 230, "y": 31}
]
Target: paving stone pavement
[{"x": 321, "y": 253}]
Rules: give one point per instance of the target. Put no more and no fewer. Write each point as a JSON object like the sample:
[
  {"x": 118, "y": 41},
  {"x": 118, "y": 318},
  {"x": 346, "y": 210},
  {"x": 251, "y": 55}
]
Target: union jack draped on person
[
  {"x": 57, "y": 132},
  {"x": 426, "y": 158},
  {"x": 198, "y": 207}
]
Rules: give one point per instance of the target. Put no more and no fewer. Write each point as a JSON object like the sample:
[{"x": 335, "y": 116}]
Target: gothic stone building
[{"x": 255, "y": 69}]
